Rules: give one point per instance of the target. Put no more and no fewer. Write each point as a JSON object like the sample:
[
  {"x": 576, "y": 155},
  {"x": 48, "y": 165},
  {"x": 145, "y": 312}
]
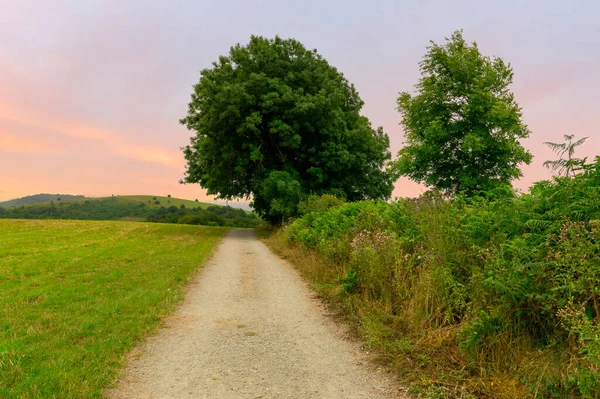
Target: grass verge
[
  {"x": 427, "y": 361},
  {"x": 76, "y": 296}
]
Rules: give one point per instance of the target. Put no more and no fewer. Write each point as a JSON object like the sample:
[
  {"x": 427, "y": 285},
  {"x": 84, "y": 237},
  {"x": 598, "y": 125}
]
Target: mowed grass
[{"x": 76, "y": 296}]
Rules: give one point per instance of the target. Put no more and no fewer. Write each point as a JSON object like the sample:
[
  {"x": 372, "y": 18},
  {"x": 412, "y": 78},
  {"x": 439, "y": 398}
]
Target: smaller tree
[
  {"x": 568, "y": 166},
  {"x": 280, "y": 194},
  {"x": 463, "y": 126}
]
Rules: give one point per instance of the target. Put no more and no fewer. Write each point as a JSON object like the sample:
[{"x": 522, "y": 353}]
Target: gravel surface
[{"x": 249, "y": 327}]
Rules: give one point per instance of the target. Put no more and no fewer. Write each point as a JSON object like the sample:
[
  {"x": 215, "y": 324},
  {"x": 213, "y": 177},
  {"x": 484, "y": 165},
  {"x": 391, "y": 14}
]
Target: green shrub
[
  {"x": 190, "y": 219},
  {"x": 316, "y": 203}
]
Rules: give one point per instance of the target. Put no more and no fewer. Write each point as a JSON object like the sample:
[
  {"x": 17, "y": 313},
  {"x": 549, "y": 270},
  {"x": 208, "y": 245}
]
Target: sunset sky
[{"x": 91, "y": 91}]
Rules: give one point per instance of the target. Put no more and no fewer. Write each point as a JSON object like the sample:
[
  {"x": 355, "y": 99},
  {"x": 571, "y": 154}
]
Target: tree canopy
[
  {"x": 275, "y": 122},
  {"x": 463, "y": 125}
]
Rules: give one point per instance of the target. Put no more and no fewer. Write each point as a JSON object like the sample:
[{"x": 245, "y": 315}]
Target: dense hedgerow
[
  {"x": 210, "y": 216},
  {"x": 516, "y": 277}
]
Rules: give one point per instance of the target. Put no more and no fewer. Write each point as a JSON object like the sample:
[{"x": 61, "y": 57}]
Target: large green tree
[
  {"x": 275, "y": 122},
  {"x": 463, "y": 125}
]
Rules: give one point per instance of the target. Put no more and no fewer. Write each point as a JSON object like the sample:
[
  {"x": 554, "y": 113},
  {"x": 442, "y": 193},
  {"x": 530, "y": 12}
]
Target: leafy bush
[{"x": 316, "y": 203}]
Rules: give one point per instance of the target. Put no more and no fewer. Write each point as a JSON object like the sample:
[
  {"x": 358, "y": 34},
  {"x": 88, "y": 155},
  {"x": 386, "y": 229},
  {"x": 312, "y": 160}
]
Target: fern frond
[
  {"x": 555, "y": 146},
  {"x": 537, "y": 224},
  {"x": 555, "y": 164},
  {"x": 580, "y": 142}
]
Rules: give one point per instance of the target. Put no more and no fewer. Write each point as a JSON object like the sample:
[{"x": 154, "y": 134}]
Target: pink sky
[{"x": 91, "y": 91}]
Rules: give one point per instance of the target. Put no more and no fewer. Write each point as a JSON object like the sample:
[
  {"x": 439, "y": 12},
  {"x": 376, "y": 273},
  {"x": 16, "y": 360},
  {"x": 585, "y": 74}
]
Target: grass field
[{"x": 76, "y": 296}]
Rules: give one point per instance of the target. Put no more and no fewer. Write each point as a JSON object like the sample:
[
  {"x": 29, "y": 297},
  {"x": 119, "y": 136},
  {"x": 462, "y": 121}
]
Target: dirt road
[{"x": 250, "y": 328}]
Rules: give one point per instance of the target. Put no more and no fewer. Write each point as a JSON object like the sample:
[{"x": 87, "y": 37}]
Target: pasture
[{"x": 76, "y": 296}]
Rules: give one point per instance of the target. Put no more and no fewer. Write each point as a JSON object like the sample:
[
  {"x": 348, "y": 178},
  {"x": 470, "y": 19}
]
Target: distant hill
[
  {"x": 149, "y": 200},
  {"x": 38, "y": 198},
  {"x": 132, "y": 207}
]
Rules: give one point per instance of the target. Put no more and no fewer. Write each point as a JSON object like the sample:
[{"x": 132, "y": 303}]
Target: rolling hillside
[
  {"x": 149, "y": 200},
  {"x": 38, "y": 198},
  {"x": 135, "y": 208}
]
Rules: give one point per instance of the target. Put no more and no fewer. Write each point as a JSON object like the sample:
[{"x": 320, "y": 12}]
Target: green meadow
[{"x": 76, "y": 296}]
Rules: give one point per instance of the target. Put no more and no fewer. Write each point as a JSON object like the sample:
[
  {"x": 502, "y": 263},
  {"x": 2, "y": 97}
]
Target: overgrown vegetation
[
  {"x": 78, "y": 295},
  {"x": 152, "y": 210},
  {"x": 495, "y": 295}
]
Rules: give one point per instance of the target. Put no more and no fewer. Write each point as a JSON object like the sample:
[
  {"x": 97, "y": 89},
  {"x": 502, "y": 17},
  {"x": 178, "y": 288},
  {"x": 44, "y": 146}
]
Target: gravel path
[{"x": 250, "y": 328}]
